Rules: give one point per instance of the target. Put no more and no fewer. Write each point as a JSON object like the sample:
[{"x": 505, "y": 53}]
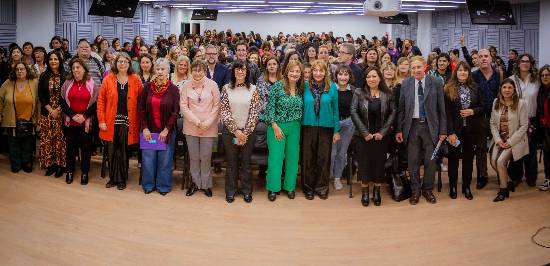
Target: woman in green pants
[{"x": 284, "y": 115}]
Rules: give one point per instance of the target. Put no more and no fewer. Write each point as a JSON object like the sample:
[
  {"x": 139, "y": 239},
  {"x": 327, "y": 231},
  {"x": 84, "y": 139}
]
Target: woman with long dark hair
[
  {"x": 373, "y": 112},
  {"x": 527, "y": 86},
  {"x": 464, "y": 108},
  {"x": 52, "y": 139}
]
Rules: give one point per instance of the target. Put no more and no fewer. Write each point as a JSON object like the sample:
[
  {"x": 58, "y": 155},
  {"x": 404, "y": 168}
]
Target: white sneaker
[
  {"x": 545, "y": 185},
  {"x": 338, "y": 184},
  {"x": 444, "y": 168}
]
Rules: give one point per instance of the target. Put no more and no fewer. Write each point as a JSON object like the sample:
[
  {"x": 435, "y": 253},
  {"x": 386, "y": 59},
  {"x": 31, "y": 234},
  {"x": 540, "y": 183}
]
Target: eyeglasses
[
  {"x": 342, "y": 52},
  {"x": 122, "y": 62},
  {"x": 545, "y": 75},
  {"x": 240, "y": 69},
  {"x": 211, "y": 53}
]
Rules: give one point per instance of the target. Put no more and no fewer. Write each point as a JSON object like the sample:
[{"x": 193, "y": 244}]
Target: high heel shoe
[
  {"x": 191, "y": 190},
  {"x": 453, "y": 192},
  {"x": 467, "y": 193},
  {"x": 376, "y": 198},
  {"x": 365, "y": 196},
  {"x": 502, "y": 195}
]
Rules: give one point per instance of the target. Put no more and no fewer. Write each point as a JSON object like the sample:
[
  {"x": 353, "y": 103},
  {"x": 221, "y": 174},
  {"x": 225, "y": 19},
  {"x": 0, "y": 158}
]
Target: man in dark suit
[
  {"x": 421, "y": 124},
  {"x": 216, "y": 72}
]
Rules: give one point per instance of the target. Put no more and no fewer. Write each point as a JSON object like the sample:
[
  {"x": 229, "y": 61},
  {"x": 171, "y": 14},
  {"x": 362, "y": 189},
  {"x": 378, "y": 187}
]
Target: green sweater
[
  {"x": 282, "y": 107},
  {"x": 328, "y": 111}
]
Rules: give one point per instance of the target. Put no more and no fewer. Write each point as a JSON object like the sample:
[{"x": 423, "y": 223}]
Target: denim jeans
[
  {"x": 156, "y": 167},
  {"x": 339, "y": 154}
]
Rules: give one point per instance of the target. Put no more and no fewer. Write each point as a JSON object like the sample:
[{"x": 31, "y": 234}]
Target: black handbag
[
  {"x": 399, "y": 184},
  {"x": 23, "y": 128}
]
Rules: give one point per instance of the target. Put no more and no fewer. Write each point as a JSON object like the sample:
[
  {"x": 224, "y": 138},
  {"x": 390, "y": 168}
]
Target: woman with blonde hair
[
  {"x": 172, "y": 56},
  {"x": 320, "y": 125},
  {"x": 182, "y": 73}
]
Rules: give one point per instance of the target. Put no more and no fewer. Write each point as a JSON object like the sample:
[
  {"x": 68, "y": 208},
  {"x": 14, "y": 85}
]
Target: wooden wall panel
[{"x": 146, "y": 21}]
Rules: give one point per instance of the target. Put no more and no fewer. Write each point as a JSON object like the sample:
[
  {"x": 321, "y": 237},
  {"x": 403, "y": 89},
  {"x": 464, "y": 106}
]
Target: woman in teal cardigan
[{"x": 320, "y": 127}]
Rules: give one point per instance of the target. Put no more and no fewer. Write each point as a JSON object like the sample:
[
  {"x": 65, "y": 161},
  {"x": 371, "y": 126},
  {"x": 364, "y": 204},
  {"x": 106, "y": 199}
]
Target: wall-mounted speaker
[{"x": 114, "y": 8}]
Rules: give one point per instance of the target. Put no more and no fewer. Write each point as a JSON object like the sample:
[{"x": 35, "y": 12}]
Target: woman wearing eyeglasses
[
  {"x": 527, "y": 85},
  {"x": 117, "y": 113}
]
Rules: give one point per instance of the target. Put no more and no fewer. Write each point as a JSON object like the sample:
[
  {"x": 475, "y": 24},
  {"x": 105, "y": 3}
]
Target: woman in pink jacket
[{"x": 200, "y": 105}]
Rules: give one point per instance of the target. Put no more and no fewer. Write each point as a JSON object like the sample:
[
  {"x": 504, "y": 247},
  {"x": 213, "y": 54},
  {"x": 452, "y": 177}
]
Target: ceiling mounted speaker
[
  {"x": 114, "y": 8},
  {"x": 382, "y": 8}
]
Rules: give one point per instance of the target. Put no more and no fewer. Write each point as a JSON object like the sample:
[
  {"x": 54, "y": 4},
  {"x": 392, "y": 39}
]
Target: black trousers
[
  {"x": 466, "y": 148},
  {"x": 481, "y": 147},
  {"x": 78, "y": 139},
  {"x": 316, "y": 149},
  {"x": 20, "y": 150},
  {"x": 420, "y": 148},
  {"x": 238, "y": 163}
]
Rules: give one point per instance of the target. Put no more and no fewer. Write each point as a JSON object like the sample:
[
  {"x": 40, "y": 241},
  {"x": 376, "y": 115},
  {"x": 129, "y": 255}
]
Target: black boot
[
  {"x": 502, "y": 195},
  {"x": 452, "y": 191},
  {"x": 481, "y": 182},
  {"x": 467, "y": 193},
  {"x": 59, "y": 172},
  {"x": 365, "y": 196},
  {"x": 69, "y": 178},
  {"x": 84, "y": 179},
  {"x": 376, "y": 197},
  {"x": 51, "y": 170}
]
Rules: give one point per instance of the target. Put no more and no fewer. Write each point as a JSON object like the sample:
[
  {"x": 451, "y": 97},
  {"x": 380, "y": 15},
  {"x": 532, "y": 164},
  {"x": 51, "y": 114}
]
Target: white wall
[
  {"x": 288, "y": 23},
  {"x": 35, "y": 22},
  {"x": 178, "y": 16},
  {"x": 544, "y": 33},
  {"x": 424, "y": 32}
]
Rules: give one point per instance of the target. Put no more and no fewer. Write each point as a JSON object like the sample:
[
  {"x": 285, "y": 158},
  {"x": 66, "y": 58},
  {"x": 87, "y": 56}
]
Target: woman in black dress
[{"x": 373, "y": 113}]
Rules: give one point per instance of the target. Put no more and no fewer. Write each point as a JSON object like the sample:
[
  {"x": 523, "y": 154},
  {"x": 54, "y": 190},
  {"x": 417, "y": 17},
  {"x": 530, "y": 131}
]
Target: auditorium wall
[
  {"x": 296, "y": 23},
  {"x": 73, "y": 22},
  {"x": 447, "y": 27}
]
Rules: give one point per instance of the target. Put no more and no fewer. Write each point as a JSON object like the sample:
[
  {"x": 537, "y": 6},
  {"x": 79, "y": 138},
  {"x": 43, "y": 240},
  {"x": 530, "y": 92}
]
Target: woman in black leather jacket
[{"x": 373, "y": 113}]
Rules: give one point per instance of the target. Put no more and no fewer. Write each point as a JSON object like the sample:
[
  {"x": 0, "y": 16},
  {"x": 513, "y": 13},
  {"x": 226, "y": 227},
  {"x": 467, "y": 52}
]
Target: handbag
[
  {"x": 23, "y": 128},
  {"x": 399, "y": 184}
]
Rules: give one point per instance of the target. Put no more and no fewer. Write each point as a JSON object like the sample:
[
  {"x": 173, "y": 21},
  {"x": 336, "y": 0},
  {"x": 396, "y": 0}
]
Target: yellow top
[{"x": 24, "y": 102}]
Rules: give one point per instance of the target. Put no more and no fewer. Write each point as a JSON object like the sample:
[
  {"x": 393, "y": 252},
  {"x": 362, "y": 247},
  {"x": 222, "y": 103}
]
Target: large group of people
[{"x": 322, "y": 98}]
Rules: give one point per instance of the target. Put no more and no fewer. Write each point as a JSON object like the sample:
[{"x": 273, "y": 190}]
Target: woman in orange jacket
[{"x": 118, "y": 117}]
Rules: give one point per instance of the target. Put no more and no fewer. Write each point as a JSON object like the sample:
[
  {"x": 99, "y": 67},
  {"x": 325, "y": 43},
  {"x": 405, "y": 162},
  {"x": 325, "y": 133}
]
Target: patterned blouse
[
  {"x": 228, "y": 117},
  {"x": 503, "y": 130},
  {"x": 282, "y": 107},
  {"x": 264, "y": 86}
]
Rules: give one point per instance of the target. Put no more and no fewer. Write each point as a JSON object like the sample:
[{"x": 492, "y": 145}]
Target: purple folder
[{"x": 154, "y": 144}]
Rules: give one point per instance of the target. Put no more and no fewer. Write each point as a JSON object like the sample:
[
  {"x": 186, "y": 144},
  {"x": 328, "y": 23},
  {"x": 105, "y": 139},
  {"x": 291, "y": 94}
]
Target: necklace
[
  {"x": 199, "y": 94},
  {"x": 79, "y": 85}
]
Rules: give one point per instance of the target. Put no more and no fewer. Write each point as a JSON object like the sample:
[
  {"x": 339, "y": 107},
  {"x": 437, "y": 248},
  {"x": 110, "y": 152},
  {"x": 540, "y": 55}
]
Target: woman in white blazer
[{"x": 509, "y": 123}]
